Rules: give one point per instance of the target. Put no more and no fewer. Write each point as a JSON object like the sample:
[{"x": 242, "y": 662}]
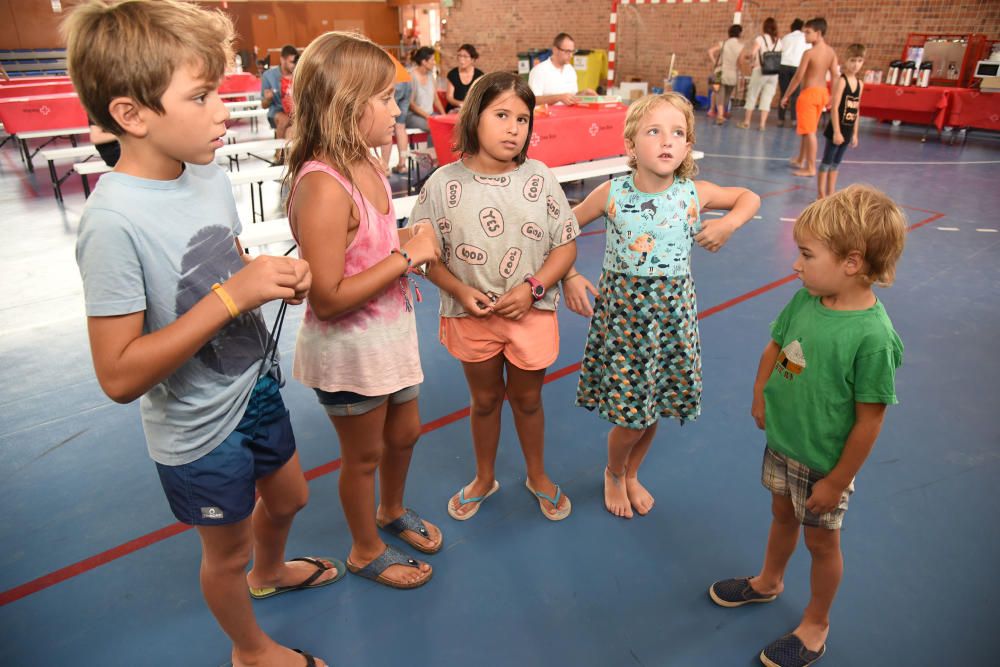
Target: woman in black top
[{"x": 461, "y": 78}]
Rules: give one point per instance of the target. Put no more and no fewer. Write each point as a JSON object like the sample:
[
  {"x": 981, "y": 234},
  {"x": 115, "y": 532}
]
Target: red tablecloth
[
  {"x": 23, "y": 80},
  {"x": 42, "y": 112},
  {"x": 925, "y": 106},
  {"x": 971, "y": 108},
  {"x": 49, "y": 88},
  {"x": 564, "y": 135},
  {"x": 243, "y": 82}
]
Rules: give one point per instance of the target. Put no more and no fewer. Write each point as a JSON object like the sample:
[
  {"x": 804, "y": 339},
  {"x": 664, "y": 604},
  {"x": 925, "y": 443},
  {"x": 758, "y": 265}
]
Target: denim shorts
[
  {"x": 219, "y": 488},
  {"x": 349, "y": 404}
]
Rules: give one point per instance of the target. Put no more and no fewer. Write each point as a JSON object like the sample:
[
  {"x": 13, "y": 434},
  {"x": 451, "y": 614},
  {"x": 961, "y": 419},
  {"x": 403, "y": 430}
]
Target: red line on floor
[{"x": 70, "y": 571}]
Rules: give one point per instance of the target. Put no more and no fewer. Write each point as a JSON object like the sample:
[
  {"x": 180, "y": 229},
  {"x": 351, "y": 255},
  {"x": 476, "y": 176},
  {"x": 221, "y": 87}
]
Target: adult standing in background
[
  {"x": 793, "y": 46},
  {"x": 727, "y": 55},
  {"x": 424, "y": 101},
  {"x": 461, "y": 78},
  {"x": 762, "y": 86},
  {"x": 274, "y": 89},
  {"x": 554, "y": 81}
]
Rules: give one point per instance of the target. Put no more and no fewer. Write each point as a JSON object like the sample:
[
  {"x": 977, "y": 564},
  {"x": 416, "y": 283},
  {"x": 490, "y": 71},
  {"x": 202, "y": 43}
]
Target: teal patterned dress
[{"x": 642, "y": 360}]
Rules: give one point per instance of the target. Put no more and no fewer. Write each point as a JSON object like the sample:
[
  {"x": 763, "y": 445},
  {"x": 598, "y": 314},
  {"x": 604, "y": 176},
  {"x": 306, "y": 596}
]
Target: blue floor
[{"x": 921, "y": 539}]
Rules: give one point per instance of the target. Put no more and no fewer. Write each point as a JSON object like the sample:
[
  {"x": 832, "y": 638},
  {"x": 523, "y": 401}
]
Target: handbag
[
  {"x": 716, "y": 77},
  {"x": 770, "y": 60}
]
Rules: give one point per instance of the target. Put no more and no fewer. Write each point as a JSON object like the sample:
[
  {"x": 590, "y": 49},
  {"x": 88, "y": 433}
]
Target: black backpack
[{"x": 770, "y": 61}]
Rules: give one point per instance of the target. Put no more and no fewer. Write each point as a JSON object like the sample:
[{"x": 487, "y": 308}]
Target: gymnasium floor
[{"x": 94, "y": 569}]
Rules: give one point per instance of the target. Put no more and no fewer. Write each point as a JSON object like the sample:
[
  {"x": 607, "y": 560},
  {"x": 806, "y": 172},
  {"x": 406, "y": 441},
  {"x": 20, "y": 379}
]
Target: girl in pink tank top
[{"x": 357, "y": 347}]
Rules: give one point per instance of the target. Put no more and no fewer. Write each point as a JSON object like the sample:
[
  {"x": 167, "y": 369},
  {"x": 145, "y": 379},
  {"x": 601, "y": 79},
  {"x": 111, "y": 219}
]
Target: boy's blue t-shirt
[
  {"x": 271, "y": 78},
  {"x": 158, "y": 246}
]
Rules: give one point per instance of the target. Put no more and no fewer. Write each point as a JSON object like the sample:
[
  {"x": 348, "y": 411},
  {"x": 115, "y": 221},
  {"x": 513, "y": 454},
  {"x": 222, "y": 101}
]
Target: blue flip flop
[
  {"x": 391, "y": 556},
  {"x": 411, "y": 521},
  {"x": 462, "y": 501},
  {"x": 310, "y": 581},
  {"x": 560, "y": 514}
]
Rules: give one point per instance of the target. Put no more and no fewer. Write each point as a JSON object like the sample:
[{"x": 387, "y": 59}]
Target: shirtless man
[{"x": 812, "y": 74}]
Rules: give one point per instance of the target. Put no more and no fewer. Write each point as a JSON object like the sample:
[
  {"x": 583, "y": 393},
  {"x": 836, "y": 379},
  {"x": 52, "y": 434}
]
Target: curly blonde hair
[
  {"x": 638, "y": 110},
  {"x": 861, "y": 219}
]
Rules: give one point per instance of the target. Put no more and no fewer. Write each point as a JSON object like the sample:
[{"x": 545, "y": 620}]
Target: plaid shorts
[{"x": 786, "y": 477}]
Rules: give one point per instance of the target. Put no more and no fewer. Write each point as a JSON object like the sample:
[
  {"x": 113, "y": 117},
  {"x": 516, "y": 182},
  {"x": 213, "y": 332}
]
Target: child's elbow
[{"x": 118, "y": 390}]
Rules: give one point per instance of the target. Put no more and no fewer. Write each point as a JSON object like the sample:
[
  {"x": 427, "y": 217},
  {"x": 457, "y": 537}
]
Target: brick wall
[{"x": 647, "y": 34}]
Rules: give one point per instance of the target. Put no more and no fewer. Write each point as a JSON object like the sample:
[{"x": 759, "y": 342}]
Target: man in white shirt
[
  {"x": 793, "y": 46},
  {"x": 554, "y": 80}
]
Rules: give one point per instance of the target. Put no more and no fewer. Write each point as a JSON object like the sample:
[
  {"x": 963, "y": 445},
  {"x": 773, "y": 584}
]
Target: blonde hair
[
  {"x": 336, "y": 76},
  {"x": 861, "y": 219},
  {"x": 638, "y": 110},
  {"x": 132, "y": 48}
]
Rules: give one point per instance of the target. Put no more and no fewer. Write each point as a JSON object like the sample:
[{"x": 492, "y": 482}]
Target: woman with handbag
[
  {"x": 766, "y": 60},
  {"x": 725, "y": 57}
]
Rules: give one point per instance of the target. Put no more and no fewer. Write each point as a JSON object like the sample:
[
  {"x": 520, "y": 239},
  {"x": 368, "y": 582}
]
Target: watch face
[{"x": 538, "y": 291}]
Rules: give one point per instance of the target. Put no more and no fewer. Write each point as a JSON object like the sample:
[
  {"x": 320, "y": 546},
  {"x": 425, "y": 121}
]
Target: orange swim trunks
[{"x": 810, "y": 107}]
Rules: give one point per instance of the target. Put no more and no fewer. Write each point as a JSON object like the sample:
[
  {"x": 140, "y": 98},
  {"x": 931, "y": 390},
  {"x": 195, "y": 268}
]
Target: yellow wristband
[{"x": 221, "y": 292}]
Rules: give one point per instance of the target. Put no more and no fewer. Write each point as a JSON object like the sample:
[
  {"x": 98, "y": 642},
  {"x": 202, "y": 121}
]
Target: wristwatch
[{"x": 537, "y": 288}]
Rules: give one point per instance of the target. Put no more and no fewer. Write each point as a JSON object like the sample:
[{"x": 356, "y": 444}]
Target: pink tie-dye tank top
[{"x": 372, "y": 350}]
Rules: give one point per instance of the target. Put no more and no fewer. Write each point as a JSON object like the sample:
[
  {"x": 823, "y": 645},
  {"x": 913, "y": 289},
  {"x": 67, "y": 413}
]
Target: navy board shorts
[{"x": 220, "y": 487}]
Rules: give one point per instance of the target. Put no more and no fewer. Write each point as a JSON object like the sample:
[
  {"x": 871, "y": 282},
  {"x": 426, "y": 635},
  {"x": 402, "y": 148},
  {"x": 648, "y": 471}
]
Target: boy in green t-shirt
[{"x": 822, "y": 387}]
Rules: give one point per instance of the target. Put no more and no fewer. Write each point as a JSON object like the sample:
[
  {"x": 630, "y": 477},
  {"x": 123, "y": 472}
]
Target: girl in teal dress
[{"x": 643, "y": 355}]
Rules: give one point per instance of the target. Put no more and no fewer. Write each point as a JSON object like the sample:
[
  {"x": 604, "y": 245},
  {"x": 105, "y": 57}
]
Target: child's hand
[
  {"x": 268, "y": 96},
  {"x": 854, "y": 141},
  {"x": 514, "y": 304},
  {"x": 784, "y": 102},
  {"x": 838, "y": 138},
  {"x": 267, "y": 278},
  {"x": 474, "y": 302},
  {"x": 575, "y": 290},
  {"x": 423, "y": 245},
  {"x": 714, "y": 233},
  {"x": 825, "y": 496},
  {"x": 301, "y": 288},
  {"x": 757, "y": 410}
]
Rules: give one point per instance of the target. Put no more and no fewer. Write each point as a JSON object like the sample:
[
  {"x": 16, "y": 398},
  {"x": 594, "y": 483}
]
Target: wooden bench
[
  {"x": 253, "y": 114},
  {"x": 51, "y": 135},
  {"x": 277, "y": 231},
  {"x": 256, "y": 179},
  {"x": 252, "y": 148},
  {"x": 53, "y": 154}
]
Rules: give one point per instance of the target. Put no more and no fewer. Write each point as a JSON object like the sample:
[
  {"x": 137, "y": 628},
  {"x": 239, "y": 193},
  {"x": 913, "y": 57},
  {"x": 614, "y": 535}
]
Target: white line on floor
[
  {"x": 948, "y": 229},
  {"x": 982, "y": 229},
  {"x": 787, "y": 219}
]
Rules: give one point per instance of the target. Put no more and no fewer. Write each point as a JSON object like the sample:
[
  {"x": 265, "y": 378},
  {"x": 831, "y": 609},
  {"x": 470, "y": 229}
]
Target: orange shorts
[
  {"x": 810, "y": 107},
  {"x": 531, "y": 343}
]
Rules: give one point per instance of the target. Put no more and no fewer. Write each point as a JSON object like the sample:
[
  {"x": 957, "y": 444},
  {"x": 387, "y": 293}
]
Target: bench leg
[
  {"x": 56, "y": 188},
  {"x": 86, "y": 185},
  {"x": 260, "y": 199}
]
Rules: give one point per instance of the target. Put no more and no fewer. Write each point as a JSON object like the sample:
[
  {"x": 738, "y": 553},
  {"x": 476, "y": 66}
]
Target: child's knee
[
  {"x": 487, "y": 401},
  {"x": 289, "y": 503},
  {"x": 235, "y": 559},
  {"x": 362, "y": 458},
  {"x": 822, "y": 541},
  {"x": 526, "y": 403}
]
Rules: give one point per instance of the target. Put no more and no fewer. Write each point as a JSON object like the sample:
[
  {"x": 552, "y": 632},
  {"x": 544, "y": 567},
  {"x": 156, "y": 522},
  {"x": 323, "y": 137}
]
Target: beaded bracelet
[
  {"x": 402, "y": 253},
  {"x": 221, "y": 292}
]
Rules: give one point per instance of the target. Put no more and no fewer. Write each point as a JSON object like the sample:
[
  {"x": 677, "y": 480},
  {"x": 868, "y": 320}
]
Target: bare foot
[
  {"x": 813, "y": 635},
  {"x": 274, "y": 656},
  {"x": 433, "y": 539},
  {"x": 477, "y": 489},
  {"x": 615, "y": 496},
  {"x": 798, "y": 164},
  {"x": 640, "y": 498},
  {"x": 400, "y": 574},
  {"x": 292, "y": 574},
  {"x": 803, "y": 172}
]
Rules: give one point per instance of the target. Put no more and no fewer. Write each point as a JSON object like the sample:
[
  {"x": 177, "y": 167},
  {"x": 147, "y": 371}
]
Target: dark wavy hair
[{"x": 481, "y": 95}]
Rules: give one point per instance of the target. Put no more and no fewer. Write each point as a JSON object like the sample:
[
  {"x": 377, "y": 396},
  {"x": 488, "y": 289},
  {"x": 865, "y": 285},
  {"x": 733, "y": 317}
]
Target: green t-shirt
[{"x": 829, "y": 360}]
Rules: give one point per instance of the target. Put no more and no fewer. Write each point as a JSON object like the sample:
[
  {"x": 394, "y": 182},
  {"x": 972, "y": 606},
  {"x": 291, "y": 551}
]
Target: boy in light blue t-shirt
[
  {"x": 172, "y": 305},
  {"x": 822, "y": 387}
]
